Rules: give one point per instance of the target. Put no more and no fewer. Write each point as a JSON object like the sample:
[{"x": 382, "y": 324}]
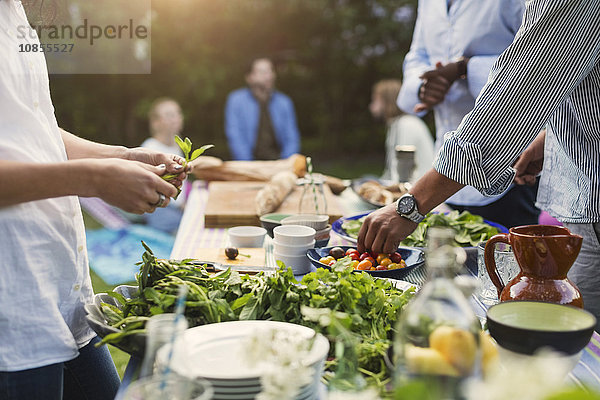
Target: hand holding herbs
[
  {"x": 186, "y": 147},
  {"x": 372, "y": 305}
]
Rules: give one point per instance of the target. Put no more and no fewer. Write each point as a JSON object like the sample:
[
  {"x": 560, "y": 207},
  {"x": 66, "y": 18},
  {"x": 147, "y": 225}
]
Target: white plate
[{"x": 214, "y": 351}]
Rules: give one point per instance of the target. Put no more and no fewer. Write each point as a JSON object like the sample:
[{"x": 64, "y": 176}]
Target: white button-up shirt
[{"x": 44, "y": 275}]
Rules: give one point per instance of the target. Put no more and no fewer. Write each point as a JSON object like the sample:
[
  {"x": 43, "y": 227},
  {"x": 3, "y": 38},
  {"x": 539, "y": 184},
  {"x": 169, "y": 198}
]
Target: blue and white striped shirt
[{"x": 550, "y": 73}]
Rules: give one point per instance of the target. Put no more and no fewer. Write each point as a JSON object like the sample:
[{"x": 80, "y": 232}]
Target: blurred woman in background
[{"x": 402, "y": 129}]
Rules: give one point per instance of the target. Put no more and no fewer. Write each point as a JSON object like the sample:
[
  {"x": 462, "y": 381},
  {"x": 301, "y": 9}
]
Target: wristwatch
[{"x": 407, "y": 208}]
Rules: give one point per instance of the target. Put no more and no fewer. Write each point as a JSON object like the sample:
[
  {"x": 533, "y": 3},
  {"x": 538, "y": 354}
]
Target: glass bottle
[{"x": 437, "y": 336}]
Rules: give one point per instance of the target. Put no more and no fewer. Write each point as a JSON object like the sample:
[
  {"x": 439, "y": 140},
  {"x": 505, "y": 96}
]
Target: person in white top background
[
  {"x": 46, "y": 347},
  {"x": 402, "y": 129},
  {"x": 165, "y": 120}
]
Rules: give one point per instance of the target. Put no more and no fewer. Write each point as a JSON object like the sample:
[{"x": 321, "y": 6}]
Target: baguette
[{"x": 269, "y": 198}]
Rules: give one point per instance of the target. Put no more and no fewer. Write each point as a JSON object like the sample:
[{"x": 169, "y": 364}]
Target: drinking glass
[
  {"x": 171, "y": 387},
  {"x": 507, "y": 266},
  {"x": 160, "y": 330}
]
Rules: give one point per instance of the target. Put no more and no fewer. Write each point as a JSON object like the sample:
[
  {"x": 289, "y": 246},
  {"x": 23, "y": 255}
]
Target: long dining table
[{"x": 192, "y": 234}]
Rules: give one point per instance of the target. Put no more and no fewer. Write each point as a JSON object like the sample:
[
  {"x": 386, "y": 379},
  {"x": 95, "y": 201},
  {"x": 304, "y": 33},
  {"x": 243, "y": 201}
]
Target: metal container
[{"x": 405, "y": 155}]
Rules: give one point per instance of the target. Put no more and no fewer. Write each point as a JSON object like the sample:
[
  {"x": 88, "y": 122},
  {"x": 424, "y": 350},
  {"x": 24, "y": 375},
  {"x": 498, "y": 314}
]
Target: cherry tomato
[
  {"x": 396, "y": 257},
  {"x": 381, "y": 268},
  {"x": 372, "y": 269},
  {"x": 354, "y": 256},
  {"x": 326, "y": 260},
  {"x": 350, "y": 251},
  {"x": 393, "y": 266},
  {"x": 380, "y": 257},
  {"x": 364, "y": 265},
  {"x": 354, "y": 264},
  {"x": 372, "y": 260},
  {"x": 364, "y": 255},
  {"x": 385, "y": 262}
]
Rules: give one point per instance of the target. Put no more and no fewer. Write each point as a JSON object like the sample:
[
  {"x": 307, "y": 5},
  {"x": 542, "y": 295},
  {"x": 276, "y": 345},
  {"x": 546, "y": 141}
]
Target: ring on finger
[{"x": 161, "y": 200}]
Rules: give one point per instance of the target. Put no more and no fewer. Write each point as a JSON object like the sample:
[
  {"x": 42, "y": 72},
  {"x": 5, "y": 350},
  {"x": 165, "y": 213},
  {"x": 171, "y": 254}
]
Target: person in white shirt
[
  {"x": 47, "y": 349},
  {"x": 165, "y": 121},
  {"x": 402, "y": 129}
]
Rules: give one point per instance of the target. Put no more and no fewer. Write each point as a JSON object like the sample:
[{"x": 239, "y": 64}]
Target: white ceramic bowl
[
  {"x": 292, "y": 250},
  {"x": 299, "y": 264},
  {"x": 246, "y": 236},
  {"x": 295, "y": 235},
  {"x": 317, "y": 222}
]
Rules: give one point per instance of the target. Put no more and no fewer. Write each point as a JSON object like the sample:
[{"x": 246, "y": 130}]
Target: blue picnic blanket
[{"x": 113, "y": 252}]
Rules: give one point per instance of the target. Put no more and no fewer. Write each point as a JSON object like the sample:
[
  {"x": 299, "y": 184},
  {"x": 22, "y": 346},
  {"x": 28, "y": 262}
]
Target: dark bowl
[
  {"x": 413, "y": 258},
  {"x": 527, "y": 326},
  {"x": 271, "y": 221}
]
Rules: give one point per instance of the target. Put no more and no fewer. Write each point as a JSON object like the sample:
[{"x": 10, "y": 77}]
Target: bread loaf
[{"x": 269, "y": 198}]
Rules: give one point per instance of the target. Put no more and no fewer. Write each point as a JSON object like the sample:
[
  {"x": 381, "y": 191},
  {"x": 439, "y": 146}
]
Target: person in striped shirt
[
  {"x": 549, "y": 75},
  {"x": 453, "y": 48}
]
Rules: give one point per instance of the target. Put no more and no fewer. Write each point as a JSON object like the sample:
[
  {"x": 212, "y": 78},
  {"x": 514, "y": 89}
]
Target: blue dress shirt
[
  {"x": 242, "y": 113},
  {"x": 478, "y": 29}
]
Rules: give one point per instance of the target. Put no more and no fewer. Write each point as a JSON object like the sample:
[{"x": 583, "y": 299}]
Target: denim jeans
[
  {"x": 90, "y": 376},
  {"x": 585, "y": 272}
]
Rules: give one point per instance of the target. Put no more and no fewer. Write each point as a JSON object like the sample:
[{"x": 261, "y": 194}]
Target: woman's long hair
[{"x": 388, "y": 90}]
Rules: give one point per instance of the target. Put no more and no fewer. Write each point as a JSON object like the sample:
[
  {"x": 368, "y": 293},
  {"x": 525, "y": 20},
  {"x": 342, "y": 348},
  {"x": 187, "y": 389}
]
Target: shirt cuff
[
  {"x": 462, "y": 162},
  {"x": 408, "y": 97}
]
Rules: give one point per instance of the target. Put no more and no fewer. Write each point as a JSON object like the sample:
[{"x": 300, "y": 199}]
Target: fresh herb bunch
[
  {"x": 470, "y": 229},
  {"x": 372, "y": 305},
  {"x": 186, "y": 147}
]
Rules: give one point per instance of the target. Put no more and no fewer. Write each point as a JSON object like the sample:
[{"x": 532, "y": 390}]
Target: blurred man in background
[
  {"x": 402, "y": 129},
  {"x": 455, "y": 43},
  {"x": 165, "y": 121},
  {"x": 260, "y": 122}
]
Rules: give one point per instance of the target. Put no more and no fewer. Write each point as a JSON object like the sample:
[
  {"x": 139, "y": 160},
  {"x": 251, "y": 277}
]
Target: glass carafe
[
  {"x": 437, "y": 337},
  {"x": 312, "y": 199}
]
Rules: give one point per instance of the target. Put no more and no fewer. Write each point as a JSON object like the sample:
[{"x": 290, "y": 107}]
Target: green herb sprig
[{"x": 186, "y": 147}]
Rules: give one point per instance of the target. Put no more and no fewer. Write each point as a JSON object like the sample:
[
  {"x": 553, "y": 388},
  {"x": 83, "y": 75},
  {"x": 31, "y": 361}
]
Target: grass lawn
[{"x": 119, "y": 357}]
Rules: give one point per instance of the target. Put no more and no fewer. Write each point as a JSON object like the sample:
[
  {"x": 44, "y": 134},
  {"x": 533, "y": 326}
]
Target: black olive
[
  {"x": 231, "y": 253},
  {"x": 337, "y": 253}
]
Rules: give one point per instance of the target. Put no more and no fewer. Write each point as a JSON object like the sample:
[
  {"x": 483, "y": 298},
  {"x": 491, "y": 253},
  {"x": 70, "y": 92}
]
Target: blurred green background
[{"x": 328, "y": 54}]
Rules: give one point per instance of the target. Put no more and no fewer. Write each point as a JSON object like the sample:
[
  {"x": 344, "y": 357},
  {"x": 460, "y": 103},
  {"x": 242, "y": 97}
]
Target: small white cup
[
  {"x": 299, "y": 264},
  {"x": 295, "y": 235},
  {"x": 246, "y": 236},
  {"x": 291, "y": 250}
]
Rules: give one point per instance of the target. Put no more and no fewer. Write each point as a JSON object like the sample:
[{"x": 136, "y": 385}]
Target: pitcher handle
[{"x": 490, "y": 261}]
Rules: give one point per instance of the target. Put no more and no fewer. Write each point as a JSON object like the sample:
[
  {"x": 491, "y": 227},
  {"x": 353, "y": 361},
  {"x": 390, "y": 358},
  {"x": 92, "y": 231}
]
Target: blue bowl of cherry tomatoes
[{"x": 396, "y": 265}]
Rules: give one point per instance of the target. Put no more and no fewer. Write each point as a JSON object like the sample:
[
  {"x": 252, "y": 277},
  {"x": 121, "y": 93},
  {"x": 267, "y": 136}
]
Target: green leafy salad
[
  {"x": 372, "y": 305},
  {"x": 470, "y": 229}
]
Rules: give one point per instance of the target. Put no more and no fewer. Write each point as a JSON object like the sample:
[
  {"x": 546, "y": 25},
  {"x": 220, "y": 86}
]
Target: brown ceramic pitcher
[{"x": 545, "y": 253}]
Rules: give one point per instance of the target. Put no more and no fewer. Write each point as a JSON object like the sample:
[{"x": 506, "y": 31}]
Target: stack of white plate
[{"x": 215, "y": 352}]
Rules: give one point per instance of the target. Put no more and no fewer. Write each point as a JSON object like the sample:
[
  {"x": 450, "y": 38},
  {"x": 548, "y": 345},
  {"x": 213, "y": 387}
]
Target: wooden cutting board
[
  {"x": 232, "y": 204},
  {"x": 256, "y": 259}
]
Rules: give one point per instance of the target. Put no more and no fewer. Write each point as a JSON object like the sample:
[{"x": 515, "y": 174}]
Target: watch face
[{"x": 406, "y": 205}]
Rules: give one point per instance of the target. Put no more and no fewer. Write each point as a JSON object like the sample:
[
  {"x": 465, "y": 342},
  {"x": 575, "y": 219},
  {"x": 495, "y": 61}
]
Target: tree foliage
[{"x": 328, "y": 54}]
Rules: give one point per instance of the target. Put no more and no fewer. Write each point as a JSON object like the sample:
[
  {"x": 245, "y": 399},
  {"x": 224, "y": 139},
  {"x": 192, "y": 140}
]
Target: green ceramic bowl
[
  {"x": 527, "y": 326},
  {"x": 270, "y": 221}
]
